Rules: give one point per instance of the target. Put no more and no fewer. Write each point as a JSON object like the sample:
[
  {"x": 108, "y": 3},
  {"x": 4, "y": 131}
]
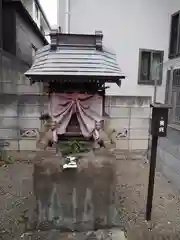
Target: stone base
[
  {"x": 108, "y": 234},
  {"x": 77, "y": 199}
]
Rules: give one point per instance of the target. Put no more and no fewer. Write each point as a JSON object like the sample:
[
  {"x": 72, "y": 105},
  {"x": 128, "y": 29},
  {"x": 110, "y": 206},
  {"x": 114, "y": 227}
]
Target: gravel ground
[
  {"x": 17, "y": 202},
  {"x": 132, "y": 178}
]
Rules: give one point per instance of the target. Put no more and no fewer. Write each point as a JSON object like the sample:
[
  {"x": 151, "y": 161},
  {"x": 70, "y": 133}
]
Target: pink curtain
[{"x": 63, "y": 105}]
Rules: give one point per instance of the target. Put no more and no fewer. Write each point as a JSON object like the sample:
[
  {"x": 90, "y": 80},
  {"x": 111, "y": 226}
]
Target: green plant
[{"x": 73, "y": 147}]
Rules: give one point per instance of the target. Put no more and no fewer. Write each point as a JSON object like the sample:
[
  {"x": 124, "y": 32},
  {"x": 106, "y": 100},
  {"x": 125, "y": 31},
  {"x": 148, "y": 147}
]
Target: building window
[
  {"x": 150, "y": 67},
  {"x": 174, "y": 48}
]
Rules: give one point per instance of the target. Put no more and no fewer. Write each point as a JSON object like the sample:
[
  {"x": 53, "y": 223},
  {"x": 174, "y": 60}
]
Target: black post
[
  {"x": 1, "y": 44},
  {"x": 151, "y": 177},
  {"x": 1, "y": 25}
]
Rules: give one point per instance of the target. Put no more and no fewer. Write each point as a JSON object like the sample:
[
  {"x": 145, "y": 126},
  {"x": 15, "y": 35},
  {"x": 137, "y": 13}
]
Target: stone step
[{"x": 105, "y": 234}]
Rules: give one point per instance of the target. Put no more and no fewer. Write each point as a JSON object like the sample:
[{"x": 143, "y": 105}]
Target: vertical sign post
[
  {"x": 158, "y": 129},
  {"x": 1, "y": 44}
]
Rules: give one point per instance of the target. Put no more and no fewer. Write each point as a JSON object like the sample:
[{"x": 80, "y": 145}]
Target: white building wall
[{"x": 127, "y": 26}]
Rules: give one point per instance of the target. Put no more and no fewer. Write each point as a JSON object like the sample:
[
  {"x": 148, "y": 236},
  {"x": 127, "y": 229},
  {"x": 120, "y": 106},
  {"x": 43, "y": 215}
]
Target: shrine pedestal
[{"x": 76, "y": 199}]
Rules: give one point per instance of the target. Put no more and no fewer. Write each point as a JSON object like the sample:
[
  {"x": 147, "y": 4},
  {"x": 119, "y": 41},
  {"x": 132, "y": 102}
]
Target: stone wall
[{"x": 131, "y": 114}]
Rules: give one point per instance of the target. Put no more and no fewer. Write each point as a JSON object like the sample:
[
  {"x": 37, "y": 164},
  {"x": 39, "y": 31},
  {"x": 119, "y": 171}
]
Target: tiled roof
[{"x": 74, "y": 59}]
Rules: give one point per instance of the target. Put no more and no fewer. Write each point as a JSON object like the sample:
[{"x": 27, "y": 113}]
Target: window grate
[{"x": 150, "y": 67}]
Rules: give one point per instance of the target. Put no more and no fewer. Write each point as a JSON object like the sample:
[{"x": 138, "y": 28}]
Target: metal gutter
[{"x": 43, "y": 13}]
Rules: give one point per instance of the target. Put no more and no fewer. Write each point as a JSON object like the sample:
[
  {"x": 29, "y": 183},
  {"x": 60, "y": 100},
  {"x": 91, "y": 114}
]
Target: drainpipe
[
  {"x": 156, "y": 82},
  {"x": 67, "y": 16},
  {"x": 170, "y": 86}
]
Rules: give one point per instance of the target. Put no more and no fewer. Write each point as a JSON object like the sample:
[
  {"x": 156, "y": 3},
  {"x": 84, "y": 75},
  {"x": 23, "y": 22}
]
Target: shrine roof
[{"x": 72, "y": 56}]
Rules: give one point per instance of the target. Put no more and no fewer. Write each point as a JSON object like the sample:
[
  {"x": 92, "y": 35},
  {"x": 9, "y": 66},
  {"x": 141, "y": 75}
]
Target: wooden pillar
[
  {"x": 103, "y": 105},
  {"x": 104, "y": 101}
]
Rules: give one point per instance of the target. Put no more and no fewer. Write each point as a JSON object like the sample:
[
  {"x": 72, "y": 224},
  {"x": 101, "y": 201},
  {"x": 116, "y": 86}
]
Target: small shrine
[{"x": 75, "y": 67}]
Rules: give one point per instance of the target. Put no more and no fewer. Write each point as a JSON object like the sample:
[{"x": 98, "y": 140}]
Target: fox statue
[
  {"x": 105, "y": 137},
  {"x": 46, "y": 136}
]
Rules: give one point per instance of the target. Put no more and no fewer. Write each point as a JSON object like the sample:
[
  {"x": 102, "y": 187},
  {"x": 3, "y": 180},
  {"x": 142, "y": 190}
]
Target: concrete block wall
[
  {"x": 20, "y": 105},
  {"x": 19, "y": 113},
  {"x": 131, "y": 114}
]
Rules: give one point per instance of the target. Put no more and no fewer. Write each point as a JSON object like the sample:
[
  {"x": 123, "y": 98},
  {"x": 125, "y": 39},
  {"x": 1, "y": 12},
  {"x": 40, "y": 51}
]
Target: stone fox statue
[
  {"x": 104, "y": 138},
  {"x": 46, "y": 137}
]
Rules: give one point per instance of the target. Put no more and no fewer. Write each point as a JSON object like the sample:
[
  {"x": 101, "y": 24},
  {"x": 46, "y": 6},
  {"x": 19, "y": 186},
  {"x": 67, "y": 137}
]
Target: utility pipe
[{"x": 67, "y": 17}]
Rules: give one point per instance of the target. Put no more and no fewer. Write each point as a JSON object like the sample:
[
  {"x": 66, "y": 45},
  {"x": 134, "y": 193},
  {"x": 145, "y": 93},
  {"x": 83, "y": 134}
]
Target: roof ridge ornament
[
  {"x": 79, "y": 40},
  {"x": 99, "y": 37},
  {"x": 54, "y": 38}
]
